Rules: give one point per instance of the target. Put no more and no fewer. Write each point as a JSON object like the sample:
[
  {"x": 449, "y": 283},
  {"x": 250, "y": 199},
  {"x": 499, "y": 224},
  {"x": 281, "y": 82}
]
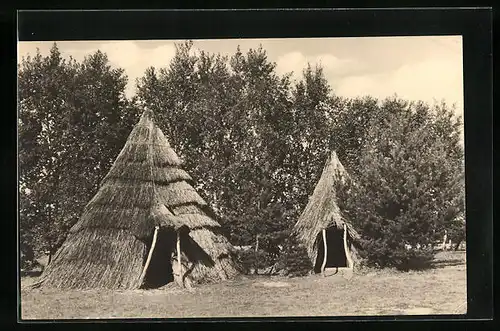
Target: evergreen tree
[{"x": 411, "y": 186}]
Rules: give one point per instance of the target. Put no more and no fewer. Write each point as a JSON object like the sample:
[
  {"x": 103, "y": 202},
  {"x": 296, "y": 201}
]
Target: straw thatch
[
  {"x": 144, "y": 188},
  {"x": 322, "y": 211}
]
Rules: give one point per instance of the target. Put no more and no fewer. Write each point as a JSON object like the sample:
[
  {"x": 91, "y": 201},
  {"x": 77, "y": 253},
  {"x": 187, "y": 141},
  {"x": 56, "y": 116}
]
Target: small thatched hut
[
  {"x": 145, "y": 227},
  {"x": 329, "y": 239}
]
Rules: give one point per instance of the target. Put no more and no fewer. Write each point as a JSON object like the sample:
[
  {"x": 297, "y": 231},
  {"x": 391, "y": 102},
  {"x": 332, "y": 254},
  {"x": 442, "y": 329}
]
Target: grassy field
[{"x": 441, "y": 290}]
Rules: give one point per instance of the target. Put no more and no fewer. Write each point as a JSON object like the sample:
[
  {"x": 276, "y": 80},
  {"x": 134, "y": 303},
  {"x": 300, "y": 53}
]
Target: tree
[
  {"x": 190, "y": 96},
  {"x": 253, "y": 142},
  {"x": 411, "y": 186},
  {"x": 222, "y": 116},
  {"x": 259, "y": 145},
  {"x": 73, "y": 120},
  {"x": 43, "y": 88},
  {"x": 351, "y": 122},
  {"x": 170, "y": 92},
  {"x": 306, "y": 138}
]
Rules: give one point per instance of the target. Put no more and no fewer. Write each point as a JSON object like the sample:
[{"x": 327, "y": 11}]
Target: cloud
[
  {"x": 333, "y": 66},
  {"x": 432, "y": 77},
  {"x": 413, "y": 68},
  {"x": 291, "y": 62},
  {"x": 121, "y": 54},
  {"x": 126, "y": 54},
  {"x": 429, "y": 80}
]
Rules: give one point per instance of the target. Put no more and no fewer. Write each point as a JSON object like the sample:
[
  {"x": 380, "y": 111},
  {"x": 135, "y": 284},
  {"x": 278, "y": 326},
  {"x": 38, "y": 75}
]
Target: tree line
[{"x": 254, "y": 141}]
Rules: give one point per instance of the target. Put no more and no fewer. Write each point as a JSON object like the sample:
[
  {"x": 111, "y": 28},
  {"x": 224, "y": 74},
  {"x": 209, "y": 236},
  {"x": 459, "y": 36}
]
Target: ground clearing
[{"x": 441, "y": 290}]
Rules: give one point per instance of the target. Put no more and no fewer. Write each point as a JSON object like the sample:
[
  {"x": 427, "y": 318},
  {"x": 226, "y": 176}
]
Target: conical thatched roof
[
  {"x": 322, "y": 211},
  {"x": 144, "y": 188}
]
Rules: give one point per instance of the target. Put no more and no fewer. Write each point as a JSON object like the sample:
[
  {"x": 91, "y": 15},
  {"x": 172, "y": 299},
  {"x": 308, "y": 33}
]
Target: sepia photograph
[{"x": 220, "y": 178}]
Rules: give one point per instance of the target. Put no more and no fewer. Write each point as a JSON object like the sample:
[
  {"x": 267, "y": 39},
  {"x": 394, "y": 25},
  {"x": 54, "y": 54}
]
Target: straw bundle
[
  {"x": 214, "y": 244},
  {"x": 191, "y": 221},
  {"x": 96, "y": 258},
  {"x": 210, "y": 261},
  {"x": 142, "y": 172},
  {"x": 189, "y": 209},
  {"x": 178, "y": 193},
  {"x": 144, "y": 188},
  {"x": 322, "y": 211}
]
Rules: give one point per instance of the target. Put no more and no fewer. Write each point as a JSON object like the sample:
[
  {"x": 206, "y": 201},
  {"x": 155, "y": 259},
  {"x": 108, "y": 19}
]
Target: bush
[
  {"x": 416, "y": 260},
  {"x": 294, "y": 260},
  {"x": 249, "y": 259},
  {"x": 27, "y": 261},
  {"x": 384, "y": 254}
]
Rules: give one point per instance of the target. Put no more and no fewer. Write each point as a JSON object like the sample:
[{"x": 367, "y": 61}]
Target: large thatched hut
[
  {"x": 330, "y": 240},
  {"x": 145, "y": 227}
]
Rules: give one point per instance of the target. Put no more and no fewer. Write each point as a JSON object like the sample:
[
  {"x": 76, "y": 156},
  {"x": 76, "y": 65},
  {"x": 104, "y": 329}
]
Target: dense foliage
[
  {"x": 73, "y": 121},
  {"x": 294, "y": 260},
  {"x": 411, "y": 187},
  {"x": 254, "y": 141}
]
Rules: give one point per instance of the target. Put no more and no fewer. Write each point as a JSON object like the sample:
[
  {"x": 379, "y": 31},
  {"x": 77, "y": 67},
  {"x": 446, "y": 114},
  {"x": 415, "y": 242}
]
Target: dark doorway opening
[
  {"x": 336, "y": 255},
  {"x": 159, "y": 271}
]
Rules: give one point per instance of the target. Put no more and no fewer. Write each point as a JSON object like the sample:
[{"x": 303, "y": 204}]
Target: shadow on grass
[
  {"x": 31, "y": 273},
  {"x": 447, "y": 263}
]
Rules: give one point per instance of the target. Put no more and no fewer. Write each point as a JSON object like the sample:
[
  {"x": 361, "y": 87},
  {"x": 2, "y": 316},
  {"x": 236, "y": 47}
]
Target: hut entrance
[
  {"x": 159, "y": 271},
  {"x": 336, "y": 254}
]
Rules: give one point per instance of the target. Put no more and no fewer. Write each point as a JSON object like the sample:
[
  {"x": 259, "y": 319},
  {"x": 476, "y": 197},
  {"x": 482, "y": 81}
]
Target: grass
[{"x": 441, "y": 290}]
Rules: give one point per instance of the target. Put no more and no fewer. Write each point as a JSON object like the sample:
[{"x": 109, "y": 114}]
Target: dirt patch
[{"x": 272, "y": 284}]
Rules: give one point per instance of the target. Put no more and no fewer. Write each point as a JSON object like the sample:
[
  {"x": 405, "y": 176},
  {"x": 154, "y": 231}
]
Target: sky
[{"x": 427, "y": 68}]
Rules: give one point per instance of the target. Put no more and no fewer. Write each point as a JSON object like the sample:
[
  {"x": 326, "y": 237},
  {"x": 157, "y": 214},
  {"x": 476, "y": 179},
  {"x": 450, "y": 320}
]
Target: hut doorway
[
  {"x": 159, "y": 271},
  {"x": 336, "y": 254}
]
